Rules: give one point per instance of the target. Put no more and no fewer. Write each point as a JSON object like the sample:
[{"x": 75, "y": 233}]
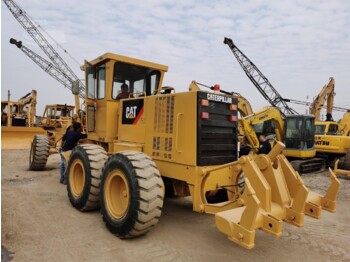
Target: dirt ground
[{"x": 39, "y": 224}]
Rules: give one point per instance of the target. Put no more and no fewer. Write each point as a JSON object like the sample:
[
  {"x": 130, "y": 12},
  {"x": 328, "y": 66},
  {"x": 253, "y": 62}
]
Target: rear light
[
  {"x": 233, "y": 107},
  {"x": 216, "y": 88},
  {"x": 204, "y": 102},
  {"x": 205, "y": 115},
  {"x": 233, "y": 118}
]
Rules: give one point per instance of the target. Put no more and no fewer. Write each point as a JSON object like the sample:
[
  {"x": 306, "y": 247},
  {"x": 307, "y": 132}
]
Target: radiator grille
[
  {"x": 216, "y": 136},
  {"x": 163, "y": 127}
]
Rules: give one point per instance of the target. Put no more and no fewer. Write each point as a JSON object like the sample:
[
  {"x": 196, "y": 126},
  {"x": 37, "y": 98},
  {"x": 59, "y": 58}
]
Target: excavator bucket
[
  {"x": 274, "y": 193},
  {"x": 19, "y": 137}
]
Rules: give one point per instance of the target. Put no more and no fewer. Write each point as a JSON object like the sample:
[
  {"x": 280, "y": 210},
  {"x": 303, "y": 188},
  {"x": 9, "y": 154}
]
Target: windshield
[
  {"x": 140, "y": 80},
  {"x": 294, "y": 127}
]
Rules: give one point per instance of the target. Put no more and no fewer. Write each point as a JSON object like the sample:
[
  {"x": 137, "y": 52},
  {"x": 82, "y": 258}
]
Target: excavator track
[{"x": 308, "y": 165}]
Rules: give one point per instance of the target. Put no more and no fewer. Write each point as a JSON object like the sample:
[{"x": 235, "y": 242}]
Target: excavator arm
[
  {"x": 244, "y": 107},
  {"x": 29, "y": 101},
  {"x": 344, "y": 124},
  {"x": 263, "y": 116},
  {"x": 326, "y": 95}
]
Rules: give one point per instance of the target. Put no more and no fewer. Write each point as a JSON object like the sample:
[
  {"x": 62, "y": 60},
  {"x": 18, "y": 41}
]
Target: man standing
[
  {"x": 70, "y": 140},
  {"x": 265, "y": 146}
]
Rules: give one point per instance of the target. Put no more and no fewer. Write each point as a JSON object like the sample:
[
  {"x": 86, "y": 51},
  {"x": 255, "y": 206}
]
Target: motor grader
[
  {"x": 17, "y": 122},
  {"x": 184, "y": 142}
]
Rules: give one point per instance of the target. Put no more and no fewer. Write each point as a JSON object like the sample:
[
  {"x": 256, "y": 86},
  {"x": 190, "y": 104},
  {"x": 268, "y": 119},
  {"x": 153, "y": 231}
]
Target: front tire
[
  {"x": 132, "y": 193},
  {"x": 83, "y": 176},
  {"x": 39, "y": 152}
]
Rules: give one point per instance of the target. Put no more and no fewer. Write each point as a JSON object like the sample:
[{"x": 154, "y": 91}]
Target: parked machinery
[
  {"x": 43, "y": 145},
  {"x": 300, "y": 147},
  {"x": 187, "y": 139},
  {"x": 332, "y": 139},
  {"x": 17, "y": 121}
]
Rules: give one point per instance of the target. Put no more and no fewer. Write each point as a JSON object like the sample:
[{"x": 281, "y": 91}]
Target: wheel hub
[
  {"x": 77, "y": 178},
  {"x": 117, "y": 194}
]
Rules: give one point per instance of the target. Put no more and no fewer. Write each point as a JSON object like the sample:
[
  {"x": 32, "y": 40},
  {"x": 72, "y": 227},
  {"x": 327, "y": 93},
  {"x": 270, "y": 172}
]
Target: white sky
[{"x": 296, "y": 44}]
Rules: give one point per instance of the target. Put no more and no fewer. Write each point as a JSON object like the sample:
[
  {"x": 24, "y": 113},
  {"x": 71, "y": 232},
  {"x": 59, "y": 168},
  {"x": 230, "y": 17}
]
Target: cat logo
[{"x": 130, "y": 112}]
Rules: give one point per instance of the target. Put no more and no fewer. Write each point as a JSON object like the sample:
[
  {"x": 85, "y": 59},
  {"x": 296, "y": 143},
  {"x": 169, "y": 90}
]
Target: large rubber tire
[
  {"x": 39, "y": 152},
  {"x": 83, "y": 176},
  {"x": 132, "y": 193}
]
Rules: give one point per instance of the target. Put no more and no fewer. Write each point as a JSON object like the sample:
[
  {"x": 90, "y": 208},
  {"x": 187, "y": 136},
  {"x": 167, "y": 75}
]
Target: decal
[
  {"x": 132, "y": 111},
  {"x": 322, "y": 143},
  {"x": 218, "y": 98}
]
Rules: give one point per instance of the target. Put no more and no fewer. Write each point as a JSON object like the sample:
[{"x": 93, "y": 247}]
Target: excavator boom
[{"x": 325, "y": 96}]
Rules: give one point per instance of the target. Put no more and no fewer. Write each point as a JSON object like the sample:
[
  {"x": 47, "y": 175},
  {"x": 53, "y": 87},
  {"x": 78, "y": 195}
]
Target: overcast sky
[{"x": 297, "y": 45}]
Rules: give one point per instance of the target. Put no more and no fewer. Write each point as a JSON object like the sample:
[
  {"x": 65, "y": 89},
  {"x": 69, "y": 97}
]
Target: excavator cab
[{"x": 299, "y": 135}]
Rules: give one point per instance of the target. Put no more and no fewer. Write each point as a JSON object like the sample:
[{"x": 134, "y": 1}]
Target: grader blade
[
  {"x": 274, "y": 193},
  {"x": 19, "y": 137}
]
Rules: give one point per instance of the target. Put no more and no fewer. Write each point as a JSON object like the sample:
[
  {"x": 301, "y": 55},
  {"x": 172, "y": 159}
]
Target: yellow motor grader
[
  {"x": 17, "y": 122},
  {"x": 187, "y": 140}
]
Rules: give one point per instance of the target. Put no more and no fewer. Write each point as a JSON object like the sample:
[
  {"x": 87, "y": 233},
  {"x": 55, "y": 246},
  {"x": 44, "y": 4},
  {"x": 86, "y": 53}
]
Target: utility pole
[{"x": 8, "y": 95}]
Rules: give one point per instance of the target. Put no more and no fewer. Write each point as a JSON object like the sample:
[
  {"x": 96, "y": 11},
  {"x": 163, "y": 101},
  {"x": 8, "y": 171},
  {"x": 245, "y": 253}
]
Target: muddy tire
[
  {"x": 83, "y": 176},
  {"x": 132, "y": 193},
  {"x": 39, "y": 152}
]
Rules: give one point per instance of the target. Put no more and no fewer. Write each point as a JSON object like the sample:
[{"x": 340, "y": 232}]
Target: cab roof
[
  {"x": 125, "y": 59},
  {"x": 60, "y": 106}
]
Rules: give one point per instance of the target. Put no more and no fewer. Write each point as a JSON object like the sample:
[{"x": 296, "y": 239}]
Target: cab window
[
  {"x": 141, "y": 81},
  {"x": 294, "y": 127},
  {"x": 320, "y": 129},
  {"x": 101, "y": 81},
  {"x": 332, "y": 129},
  {"x": 90, "y": 81}
]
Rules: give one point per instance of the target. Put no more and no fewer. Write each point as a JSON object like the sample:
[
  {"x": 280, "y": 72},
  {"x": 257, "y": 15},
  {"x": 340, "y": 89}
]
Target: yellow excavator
[
  {"x": 332, "y": 139},
  {"x": 187, "y": 140},
  {"x": 297, "y": 131}
]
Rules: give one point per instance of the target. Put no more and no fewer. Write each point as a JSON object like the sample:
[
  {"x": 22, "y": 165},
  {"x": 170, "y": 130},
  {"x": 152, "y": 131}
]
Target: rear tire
[
  {"x": 39, "y": 152},
  {"x": 132, "y": 193},
  {"x": 83, "y": 176}
]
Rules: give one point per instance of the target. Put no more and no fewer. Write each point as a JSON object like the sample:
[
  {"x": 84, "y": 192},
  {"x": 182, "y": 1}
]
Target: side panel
[
  {"x": 171, "y": 127},
  {"x": 332, "y": 144},
  {"x": 132, "y": 120},
  {"x": 102, "y": 123}
]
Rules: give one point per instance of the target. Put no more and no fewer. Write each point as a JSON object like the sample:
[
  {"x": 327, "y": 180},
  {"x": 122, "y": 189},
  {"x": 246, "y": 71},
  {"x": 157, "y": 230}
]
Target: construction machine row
[{"x": 186, "y": 144}]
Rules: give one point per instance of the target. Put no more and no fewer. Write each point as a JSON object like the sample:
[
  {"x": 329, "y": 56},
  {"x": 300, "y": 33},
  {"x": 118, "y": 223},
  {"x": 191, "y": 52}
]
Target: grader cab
[{"x": 186, "y": 143}]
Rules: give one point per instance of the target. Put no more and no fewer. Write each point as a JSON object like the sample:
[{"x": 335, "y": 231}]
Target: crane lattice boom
[
  {"x": 38, "y": 37},
  {"x": 47, "y": 66},
  {"x": 259, "y": 80}
]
